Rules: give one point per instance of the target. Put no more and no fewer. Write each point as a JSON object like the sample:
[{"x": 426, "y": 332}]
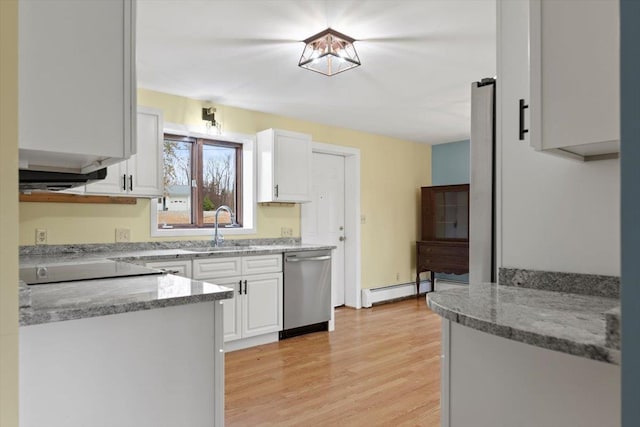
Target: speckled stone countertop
[
  {"x": 560, "y": 321},
  {"x": 138, "y": 254},
  {"x": 89, "y": 298}
]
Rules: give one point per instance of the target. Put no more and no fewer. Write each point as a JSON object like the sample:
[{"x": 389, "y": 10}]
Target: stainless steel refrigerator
[{"x": 482, "y": 205}]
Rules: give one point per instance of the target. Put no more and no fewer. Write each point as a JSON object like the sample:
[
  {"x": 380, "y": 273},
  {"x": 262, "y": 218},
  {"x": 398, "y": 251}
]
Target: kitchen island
[
  {"x": 135, "y": 351},
  {"x": 527, "y": 357}
]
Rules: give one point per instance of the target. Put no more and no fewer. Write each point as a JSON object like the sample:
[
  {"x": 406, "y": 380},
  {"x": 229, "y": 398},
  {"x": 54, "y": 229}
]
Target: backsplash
[{"x": 575, "y": 283}]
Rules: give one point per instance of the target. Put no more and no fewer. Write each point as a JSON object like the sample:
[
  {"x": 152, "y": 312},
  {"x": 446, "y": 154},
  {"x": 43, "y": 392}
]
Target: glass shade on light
[{"x": 329, "y": 52}]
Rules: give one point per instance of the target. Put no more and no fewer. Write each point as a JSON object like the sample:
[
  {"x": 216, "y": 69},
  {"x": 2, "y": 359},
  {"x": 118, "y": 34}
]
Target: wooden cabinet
[
  {"x": 256, "y": 308},
  {"x": 77, "y": 87},
  {"x": 284, "y": 166},
  {"x": 444, "y": 247},
  {"x": 574, "y": 77},
  {"x": 141, "y": 175}
]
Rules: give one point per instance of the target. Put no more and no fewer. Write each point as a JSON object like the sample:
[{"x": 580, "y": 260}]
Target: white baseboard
[
  {"x": 250, "y": 342},
  {"x": 375, "y": 295}
]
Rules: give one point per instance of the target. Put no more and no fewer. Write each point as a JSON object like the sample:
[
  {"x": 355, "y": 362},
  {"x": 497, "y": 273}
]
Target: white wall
[{"x": 559, "y": 214}]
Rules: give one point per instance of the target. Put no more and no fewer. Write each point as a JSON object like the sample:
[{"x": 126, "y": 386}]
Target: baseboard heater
[{"x": 393, "y": 292}]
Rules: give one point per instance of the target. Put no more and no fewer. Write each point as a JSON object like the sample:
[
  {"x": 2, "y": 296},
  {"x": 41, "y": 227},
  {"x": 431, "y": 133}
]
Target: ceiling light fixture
[{"x": 329, "y": 52}]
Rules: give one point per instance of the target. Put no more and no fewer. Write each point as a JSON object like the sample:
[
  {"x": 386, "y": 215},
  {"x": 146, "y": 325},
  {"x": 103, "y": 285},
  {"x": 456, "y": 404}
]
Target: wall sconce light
[
  {"x": 209, "y": 116},
  {"x": 329, "y": 52}
]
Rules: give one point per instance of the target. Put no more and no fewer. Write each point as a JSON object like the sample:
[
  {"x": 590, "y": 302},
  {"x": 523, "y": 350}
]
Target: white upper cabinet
[
  {"x": 77, "y": 86},
  {"x": 284, "y": 166},
  {"x": 575, "y": 77},
  {"x": 141, "y": 175}
]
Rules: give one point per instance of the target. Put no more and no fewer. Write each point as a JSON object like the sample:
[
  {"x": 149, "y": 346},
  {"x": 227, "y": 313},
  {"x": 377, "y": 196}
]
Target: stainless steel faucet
[{"x": 218, "y": 238}]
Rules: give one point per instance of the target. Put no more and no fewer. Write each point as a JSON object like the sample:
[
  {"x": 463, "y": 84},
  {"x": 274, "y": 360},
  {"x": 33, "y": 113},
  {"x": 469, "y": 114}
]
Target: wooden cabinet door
[{"x": 262, "y": 304}]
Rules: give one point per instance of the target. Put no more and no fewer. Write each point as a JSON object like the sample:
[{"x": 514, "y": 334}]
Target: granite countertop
[
  {"x": 566, "y": 322},
  {"x": 142, "y": 255},
  {"x": 90, "y": 298}
]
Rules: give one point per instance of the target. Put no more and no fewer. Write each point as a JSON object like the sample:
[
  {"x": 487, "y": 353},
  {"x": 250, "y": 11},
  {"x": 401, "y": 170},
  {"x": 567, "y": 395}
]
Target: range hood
[{"x": 55, "y": 181}]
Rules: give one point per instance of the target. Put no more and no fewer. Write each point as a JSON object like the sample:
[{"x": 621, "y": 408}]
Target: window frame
[{"x": 246, "y": 197}]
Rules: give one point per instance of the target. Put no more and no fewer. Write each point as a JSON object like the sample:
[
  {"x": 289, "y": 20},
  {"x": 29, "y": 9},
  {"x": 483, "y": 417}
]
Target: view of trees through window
[{"x": 199, "y": 176}]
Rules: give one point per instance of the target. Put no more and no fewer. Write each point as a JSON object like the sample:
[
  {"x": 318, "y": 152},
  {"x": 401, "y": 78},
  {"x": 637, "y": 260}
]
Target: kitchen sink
[{"x": 219, "y": 249}]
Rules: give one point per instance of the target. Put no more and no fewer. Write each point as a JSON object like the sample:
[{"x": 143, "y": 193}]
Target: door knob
[{"x": 342, "y": 238}]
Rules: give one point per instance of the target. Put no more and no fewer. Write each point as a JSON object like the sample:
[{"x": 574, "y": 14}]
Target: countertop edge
[
  {"x": 29, "y": 317},
  {"x": 591, "y": 351}
]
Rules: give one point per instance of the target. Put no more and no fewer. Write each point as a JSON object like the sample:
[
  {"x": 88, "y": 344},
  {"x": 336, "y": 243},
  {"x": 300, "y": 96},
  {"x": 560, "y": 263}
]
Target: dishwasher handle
[{"x": 313, "y": 258}]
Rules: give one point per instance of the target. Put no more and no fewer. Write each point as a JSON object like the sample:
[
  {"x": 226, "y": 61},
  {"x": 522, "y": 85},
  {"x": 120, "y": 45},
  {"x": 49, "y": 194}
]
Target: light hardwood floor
[{"x": 380, "y": 367}]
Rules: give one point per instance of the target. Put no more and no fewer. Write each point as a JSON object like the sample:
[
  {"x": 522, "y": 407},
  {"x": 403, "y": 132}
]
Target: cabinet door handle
[
  {"x": 276, "y": 191},
  {"x": 521, "y": 128},
  {"x": 124, "y": 182},
  {"x": 245, "y": 287},
  {"x": 130, "y": 182},
  {"x": 240, "y": 287}
]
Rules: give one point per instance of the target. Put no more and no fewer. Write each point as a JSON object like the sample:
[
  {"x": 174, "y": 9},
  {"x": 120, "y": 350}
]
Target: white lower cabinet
[
  {"x": 256, "y": 308},
  {"x": 262, "y": 304}
]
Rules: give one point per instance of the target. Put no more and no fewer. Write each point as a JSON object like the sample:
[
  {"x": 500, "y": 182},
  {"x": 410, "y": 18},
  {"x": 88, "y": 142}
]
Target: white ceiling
[{"x": 419, "y": 58}]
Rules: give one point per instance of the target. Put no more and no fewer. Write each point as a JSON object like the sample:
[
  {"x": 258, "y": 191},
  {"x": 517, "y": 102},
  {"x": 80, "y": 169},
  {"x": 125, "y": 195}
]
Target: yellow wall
[
  {"x": 392, "y": 171},
  {"x": 8, "y": 213}
]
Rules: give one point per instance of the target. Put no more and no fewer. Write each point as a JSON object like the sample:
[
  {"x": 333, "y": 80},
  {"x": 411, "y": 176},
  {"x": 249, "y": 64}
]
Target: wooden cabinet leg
[
  {"x": 432, "y": 277},
  {"x": 418, "y": 284}
]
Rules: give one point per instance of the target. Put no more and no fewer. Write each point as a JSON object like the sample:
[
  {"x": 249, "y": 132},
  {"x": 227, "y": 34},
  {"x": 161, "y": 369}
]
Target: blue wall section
[
  {"x": 630, "y": 183},
  {"x": 449, "y": 166},
  {"x": 450, "y": 163}
]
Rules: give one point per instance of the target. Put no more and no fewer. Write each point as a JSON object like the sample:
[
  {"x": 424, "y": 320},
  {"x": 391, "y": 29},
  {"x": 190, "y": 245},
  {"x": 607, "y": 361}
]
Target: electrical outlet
[
  {"x": 123, "y": 235},
  {"x": 286, "y": 232},
  {"x": 41, "y": 236},
  {"x": 363, "y": 219},
  {"x": 397, "y": 276}
]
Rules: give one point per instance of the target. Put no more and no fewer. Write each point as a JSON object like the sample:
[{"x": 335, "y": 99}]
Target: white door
[{"x": 323, "y": 219}]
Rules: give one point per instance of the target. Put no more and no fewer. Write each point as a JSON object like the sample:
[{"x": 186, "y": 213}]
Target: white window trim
[{"x": 249, "y": 205}]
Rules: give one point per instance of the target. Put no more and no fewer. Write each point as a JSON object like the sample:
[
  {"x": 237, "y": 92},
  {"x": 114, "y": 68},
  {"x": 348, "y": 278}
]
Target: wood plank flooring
[{"x": 380, "y": 367}]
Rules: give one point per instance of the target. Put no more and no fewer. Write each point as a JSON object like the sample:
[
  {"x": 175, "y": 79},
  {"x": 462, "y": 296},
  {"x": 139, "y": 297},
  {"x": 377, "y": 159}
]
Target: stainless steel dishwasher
[{"x": 307, "y": 292}]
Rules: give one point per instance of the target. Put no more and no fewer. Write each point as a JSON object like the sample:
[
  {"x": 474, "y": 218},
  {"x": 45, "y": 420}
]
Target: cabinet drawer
[
  {"x": 262, "y": 264},
  {"x": 439, "y": 250},
  {"x": 215, "y": 268},
  {"x": 179, "y": 268}
]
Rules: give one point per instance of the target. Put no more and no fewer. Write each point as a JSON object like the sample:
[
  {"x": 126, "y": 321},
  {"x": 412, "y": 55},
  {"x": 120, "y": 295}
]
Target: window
[{"x": 200, "y": 175}]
